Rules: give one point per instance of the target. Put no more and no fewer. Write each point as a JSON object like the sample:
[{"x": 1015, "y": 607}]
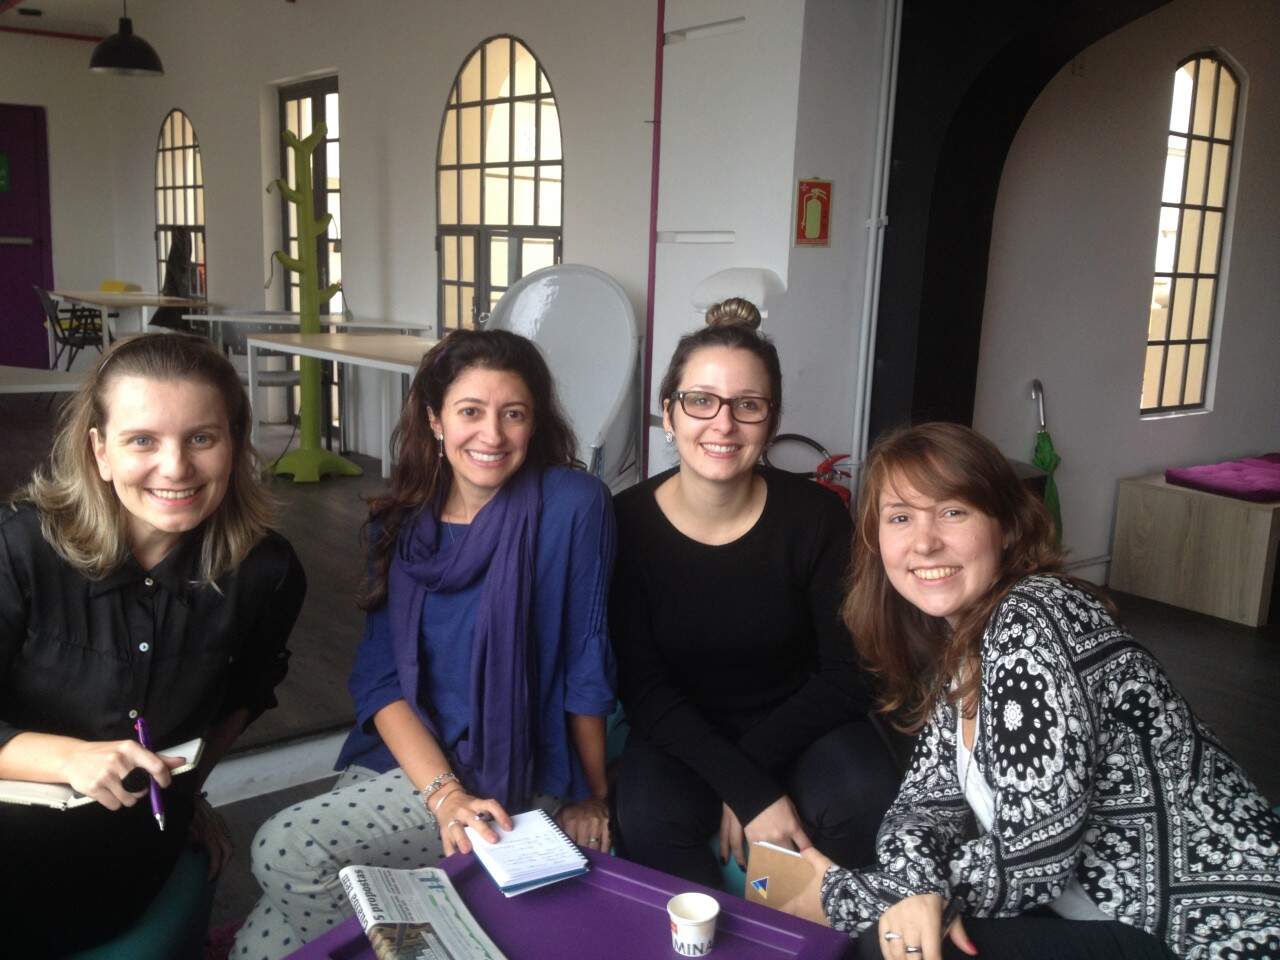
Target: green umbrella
[{"x": 1047, "y": 459}]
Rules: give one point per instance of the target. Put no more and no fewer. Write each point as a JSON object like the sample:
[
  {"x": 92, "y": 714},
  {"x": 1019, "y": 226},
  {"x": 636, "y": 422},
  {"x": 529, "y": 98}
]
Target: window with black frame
[
  {"x": 1191, "y": 236},
  {"x": 180, "y": 196},
  {"x": 499, "y": 182}
]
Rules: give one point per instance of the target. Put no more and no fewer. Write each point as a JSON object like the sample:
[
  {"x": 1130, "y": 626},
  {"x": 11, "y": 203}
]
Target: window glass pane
[
  {"x": 449, "y": 251},
  {"x": 469, "y": 83},
  {"x": 1195, "y": 373},
  {"x": 1188, "y": 239},
  {"x": 332, "y": 170},
  {"x": 499, "y": 251},
  {"x": 159, "y": 170},
  {"x": 450, "y": 305},
  {"x": 496, "y": 183},
  {"x": 290, "y": 168},
  {"x": 468, "y": 258},
  {"x": 1202, "y": 105},
  {"x": 1158, "y": 319},
  {"x": 293, "y": 248},
  {"x": 466, "y": 298},
  {"x": 526, "y": 72},
  {"x": 335, "y": 208},
  {"x": 179, "y": 168},
  {"x": 449, "y": 139},
  {"x": 1172, "y": 394},
  {"x": 159, "y": 207},
  {"x": 544, "y": 85},
  {"x": 191, "y": 220},
  {"x": 180, "y": 207},
  {"x": 522, "y": 206},
  {"x": 549, "y": 197},
  {"x": 1166, "y": 239},
  {"x": 1222, "y": 125},
  {"x": 1181, "y": 306},
  {"x": 335, "y": 263},
  {"x": 525, "y": 147},
  {"x": 1151, "y": 377},
  {"x": 199, "y": 169},
  {"x": 1204, "y": 310},
  {"x": 497, "y": 132},
  {"x": 1209, "y": 245},
  {"x": 304, "y": 118},
  {"x": 550, "y": 120},
  {"x": 448, "y": 196},
  {"x": 471, "y": 135},
  {"x": 1218, "y": 171},
  {"x": 291, "y": 116},
  {"x": 497, "y": 69},
  {"x": 536, "y": 253},
  {"x": 331, "y": 115},
  {"x": 470, "y": 196},
  {"x": 1182, "y": 83},
  {"x": 1197, "y": 163},
  {"x": 292, "y": 213}
]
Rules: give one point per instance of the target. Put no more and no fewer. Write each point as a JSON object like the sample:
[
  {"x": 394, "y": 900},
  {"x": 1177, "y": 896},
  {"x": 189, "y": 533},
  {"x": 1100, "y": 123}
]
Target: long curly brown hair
[
  {"x": 422, "y": 473},
  {"x": 917, "y": 656}
]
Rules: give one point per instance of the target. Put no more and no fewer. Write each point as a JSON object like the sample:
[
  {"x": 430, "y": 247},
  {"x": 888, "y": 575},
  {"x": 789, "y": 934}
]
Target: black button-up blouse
[{"x": 83, "y": 658}]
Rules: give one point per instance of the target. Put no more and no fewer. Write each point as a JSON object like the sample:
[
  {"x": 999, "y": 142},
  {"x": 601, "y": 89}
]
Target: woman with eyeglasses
[
  {"x": 140, "y": 579},
  {"x": 748, "y": 712}
]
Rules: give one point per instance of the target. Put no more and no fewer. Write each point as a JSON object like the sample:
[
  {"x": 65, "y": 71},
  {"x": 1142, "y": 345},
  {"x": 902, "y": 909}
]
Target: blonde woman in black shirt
[
  {"x": 139, "y": 576},
  {"x": 747, "y": 709}
]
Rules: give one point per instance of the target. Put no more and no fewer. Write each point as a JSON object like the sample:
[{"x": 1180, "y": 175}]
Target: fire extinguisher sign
[{"x": 813, "y": 213}]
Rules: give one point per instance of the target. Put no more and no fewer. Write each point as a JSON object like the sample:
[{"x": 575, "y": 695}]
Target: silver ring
[
  {"x": 891, "y": 936},
  {"x": 913, "y": 950},
  {"x": 452, "y": 822}
]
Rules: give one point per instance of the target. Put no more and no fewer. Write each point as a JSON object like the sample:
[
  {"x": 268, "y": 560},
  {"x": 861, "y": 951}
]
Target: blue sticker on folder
[{"x": 761, "y": 887}]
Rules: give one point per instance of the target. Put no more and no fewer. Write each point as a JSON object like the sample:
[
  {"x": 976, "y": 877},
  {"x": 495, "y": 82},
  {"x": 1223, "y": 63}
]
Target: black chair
[{"x": 74, "y": 328}]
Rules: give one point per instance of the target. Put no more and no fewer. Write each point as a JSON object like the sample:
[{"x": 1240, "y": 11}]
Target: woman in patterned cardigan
[{"x": 1062, "y": 798}]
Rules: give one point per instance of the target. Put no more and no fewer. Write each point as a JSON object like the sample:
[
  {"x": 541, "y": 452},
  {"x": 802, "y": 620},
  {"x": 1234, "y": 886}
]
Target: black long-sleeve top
[
  {"x": 82, "y": 658},
  {"x": 733, "y": 658}
]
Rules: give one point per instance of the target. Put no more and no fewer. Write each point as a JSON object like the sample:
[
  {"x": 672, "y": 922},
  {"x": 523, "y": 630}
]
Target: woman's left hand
[
  {"x": 808, "y": 902},
  {"x": 210, "y": 831},
  {"x": 587, "y": 823}
]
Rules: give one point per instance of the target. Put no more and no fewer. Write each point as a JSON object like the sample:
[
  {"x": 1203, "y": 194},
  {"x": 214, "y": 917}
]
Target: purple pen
[{"x": 157, "y": 804}]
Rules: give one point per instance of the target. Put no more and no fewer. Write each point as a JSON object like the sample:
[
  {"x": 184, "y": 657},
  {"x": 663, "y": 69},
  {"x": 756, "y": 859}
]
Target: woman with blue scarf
[{"x": 484, "y": 676}]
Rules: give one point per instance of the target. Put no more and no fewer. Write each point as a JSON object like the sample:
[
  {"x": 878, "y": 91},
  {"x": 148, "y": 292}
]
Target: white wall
[
  {"x": 1072, "y": 255},
  {"x": 396, "y": 62},
  {"x": 789, "y": 91},
  {"x": 80, "y": 114}
]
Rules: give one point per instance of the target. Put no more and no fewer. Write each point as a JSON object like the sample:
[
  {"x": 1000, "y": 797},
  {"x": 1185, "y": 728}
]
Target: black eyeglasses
[{"x": 704, "y": 406}]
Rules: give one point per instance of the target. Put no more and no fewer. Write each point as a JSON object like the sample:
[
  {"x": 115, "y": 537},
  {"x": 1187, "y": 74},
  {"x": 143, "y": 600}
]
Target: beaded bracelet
[{"x": 437, "y": 783}]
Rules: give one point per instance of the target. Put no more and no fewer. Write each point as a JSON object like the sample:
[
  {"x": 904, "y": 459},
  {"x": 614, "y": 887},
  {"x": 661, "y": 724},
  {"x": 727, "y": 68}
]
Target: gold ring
[{"x": 452, "y": 822}]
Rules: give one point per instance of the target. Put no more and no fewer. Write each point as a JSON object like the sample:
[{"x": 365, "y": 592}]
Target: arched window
[
  {"x": 1191, "y": 236},
  {"x": 499, "y": 180},
  {"x": 180, "y": 194}
]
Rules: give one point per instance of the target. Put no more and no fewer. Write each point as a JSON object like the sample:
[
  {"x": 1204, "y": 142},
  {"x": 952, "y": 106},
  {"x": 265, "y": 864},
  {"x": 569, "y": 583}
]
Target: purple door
[{"x": 26, "y": 253}]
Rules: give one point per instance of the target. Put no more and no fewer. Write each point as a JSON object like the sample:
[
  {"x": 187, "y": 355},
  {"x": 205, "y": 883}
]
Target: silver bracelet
[{"x": 437, "y": 783}]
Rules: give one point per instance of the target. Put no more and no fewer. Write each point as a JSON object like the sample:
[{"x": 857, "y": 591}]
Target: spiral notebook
[{"x": 534, "y": 853}]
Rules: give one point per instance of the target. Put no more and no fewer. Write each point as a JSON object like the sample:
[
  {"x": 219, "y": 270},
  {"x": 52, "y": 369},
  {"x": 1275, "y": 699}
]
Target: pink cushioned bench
[{"x": 1250, "y": 478}]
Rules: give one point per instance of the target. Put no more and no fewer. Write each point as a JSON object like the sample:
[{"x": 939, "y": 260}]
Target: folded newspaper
[{"x": 415, "y": 915}]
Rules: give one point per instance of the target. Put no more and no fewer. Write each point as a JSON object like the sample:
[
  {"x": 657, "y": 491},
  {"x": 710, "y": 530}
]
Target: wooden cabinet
[{"x": 1195, "y": 550}]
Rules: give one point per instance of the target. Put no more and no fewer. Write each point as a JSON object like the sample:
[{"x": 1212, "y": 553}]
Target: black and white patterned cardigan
[{"x": 1100, "y": 771}]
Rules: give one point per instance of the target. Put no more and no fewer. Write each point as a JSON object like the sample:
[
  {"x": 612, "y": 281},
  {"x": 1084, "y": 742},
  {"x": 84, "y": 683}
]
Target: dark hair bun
[{"x": 734, "y": 312}]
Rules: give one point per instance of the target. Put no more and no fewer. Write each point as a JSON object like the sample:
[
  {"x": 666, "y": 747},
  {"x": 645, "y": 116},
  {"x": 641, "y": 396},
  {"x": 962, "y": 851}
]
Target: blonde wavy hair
[{"x": 80, "y": 515}]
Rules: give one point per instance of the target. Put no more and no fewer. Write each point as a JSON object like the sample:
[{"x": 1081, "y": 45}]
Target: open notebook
[
  {"x": 60, "y": 796},
  {"x": 532, "y": 854}
]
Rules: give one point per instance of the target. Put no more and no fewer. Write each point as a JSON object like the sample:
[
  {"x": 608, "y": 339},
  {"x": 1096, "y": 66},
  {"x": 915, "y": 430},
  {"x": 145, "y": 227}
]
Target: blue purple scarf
[{"x": 496, "y": 758}]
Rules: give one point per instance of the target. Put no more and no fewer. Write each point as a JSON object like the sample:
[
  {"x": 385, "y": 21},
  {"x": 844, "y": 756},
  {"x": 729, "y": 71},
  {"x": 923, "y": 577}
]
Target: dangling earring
[{"x": 668, "y": 436}]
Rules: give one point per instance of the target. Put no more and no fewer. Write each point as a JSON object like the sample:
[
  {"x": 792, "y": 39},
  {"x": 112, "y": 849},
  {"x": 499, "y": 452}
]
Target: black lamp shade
[{"x": 125, "y": 53}]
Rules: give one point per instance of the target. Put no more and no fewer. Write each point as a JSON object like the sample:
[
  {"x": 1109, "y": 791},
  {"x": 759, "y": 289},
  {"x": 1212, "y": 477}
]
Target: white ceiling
[{"x": 98, "y": 17}]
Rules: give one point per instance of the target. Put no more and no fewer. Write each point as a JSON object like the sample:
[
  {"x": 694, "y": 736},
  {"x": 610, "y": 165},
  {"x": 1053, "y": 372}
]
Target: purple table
[{"x": 616, "y": 911}]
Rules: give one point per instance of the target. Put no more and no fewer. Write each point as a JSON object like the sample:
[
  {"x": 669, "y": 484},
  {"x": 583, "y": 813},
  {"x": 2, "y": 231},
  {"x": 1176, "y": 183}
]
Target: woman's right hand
[
  {"x": 97, "y": 768},
  {"x": 460, "y": 809},
  {"x": 779, "y": 823},
  {"x": 916, "y": 922}
]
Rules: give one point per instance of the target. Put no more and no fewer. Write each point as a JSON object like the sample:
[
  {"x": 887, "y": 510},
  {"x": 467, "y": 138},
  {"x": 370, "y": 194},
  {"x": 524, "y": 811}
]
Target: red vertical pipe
[{"x": 647, "y": 376}]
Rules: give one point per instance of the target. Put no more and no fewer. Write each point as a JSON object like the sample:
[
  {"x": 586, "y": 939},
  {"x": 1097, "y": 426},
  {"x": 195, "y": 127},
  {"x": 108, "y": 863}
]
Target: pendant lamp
[{"x": 126, "y": 54}]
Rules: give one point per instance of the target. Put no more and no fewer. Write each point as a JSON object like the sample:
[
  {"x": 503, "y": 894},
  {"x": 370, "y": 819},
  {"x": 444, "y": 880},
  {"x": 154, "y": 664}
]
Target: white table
[
  {"x": 391, "y": 353},
  {"x": 126, "y": 300},
  {"x": 29, "y": 380},
  {"x": 284, "y": 318}
]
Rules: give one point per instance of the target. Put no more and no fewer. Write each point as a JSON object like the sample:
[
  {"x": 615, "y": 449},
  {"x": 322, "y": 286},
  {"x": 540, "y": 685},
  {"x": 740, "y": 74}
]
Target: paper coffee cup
[{"x": 693, "y": 923}]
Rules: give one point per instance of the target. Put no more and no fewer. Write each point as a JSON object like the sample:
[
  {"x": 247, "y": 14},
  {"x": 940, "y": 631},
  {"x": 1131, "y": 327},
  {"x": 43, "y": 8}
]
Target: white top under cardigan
[{"x": 1073, "y": 903}]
